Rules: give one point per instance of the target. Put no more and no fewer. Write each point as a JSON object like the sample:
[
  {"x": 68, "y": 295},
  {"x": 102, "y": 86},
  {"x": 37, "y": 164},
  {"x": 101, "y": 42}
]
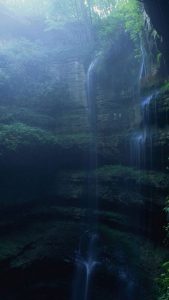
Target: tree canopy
[{"x": 58, "y": 12}]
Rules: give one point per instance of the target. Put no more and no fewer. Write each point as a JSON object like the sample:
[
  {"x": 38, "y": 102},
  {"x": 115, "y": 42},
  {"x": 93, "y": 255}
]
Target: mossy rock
[
  {"x": 19, "y": 138},
  {"x": 13, "y": 114},
  {"x": 130, "y": 175},
  {"x": 38, "y": 240},
  {"x": 158, "y": 109},
  {"x": 123, "y": 249},
  {"x": 118, "y": 186}
]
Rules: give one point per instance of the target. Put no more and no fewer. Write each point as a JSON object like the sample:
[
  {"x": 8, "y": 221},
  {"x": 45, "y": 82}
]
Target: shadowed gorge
[{"x": 84, "y": 150}]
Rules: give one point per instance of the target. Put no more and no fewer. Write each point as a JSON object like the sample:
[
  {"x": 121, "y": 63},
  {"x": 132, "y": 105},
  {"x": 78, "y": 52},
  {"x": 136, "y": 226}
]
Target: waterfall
[
  {"x": 143, "y": 65},
  {"x": 140, "y": 139},
  {"x": 137, "y": 143},
  {"x": 92, "y": 161},
  {"x": 142, "y": 151},
  {"x": 86, "y": 262},
  {"x": 145, "y": 106},
  {"x": 86, "y": 256}
]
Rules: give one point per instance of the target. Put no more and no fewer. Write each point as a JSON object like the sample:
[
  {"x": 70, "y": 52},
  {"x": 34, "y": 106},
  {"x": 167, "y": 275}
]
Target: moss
[
  {"x": 13, "y": 114},
  {"x": 118, "y": 186},
  {"x": 79, "y": 140},
  {"x": 160, "y": 103},
  {"x": 110, "y": 180},
  {"x": 126, "y": 174},
  {"x": 39, "y": 239},
  {"x": 69, "y": 190},
  {"x": 18, "y": 136},
  {"x": 163, "y": 282},
  {"x": 117, "y": 218},
  {"x": 109, "y": 146},
  {"x": 139, "y": 253},
  {"x": 113, "y": 238},
  {"x": 15, "y": 136},
  {"x": 165, "y": 86},
  {"x": 134, "y": 245},
  {"x": 161, "y": 138}
]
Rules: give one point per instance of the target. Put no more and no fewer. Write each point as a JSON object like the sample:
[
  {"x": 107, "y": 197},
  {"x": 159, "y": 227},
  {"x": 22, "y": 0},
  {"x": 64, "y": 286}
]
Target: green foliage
[
  {"x": 167, "y": 204},
  {"x": 18, "y": 136},
  {"x": 122, "y": 15},
  {"x": 159, "y": 58},
  {"x": 161, "y": 138},
  {"x": 54, "y": 12},
  {"x": 98, "y": 21},
  {"x": 22, "y": 72},
  {"x": 163, "y": 279},
  {"x": 131, "y": 12},
  {"x": 108, "y": 15},
  {"x": 28, "y": 75},
  {"x": 165, "y": 86},
  {"x": 166, "y": 209},
  {"x": 127, "y": 174},
  {"x": 62, "y": 12},
  {"x": 163, "y": 282},
  {"x": 15, "y": 114}
]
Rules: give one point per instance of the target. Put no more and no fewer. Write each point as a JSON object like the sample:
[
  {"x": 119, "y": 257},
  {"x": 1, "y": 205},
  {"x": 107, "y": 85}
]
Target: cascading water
[
  {"x": 150, "y": 130},
  {"x": 92, "y": 161},
  {"x": 142, "y": 71},
  {"x": 86, "y": 257},
  {"x": 137, "y": 148},
  {"x": 146, "y": 131},
  {"x": 138, "y": 139},
  {"x": 141, "y": 143},
  {"x": 145, "y": 105},
  {"x": 143, "y": 138},
  {"x": 86, "y": 262}
]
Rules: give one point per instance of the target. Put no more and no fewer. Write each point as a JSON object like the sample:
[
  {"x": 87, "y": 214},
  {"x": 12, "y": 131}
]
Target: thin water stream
[{"x": 86, "y": 257}]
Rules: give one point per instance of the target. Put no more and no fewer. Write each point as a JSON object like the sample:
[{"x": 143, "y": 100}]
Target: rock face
[
  {"x": 75, "y": 76},
  {"x": 158, "y": 12}
]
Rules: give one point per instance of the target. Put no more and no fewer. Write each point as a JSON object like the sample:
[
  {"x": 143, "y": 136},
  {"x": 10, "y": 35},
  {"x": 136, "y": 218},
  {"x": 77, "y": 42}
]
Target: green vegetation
[
  {"x": 139, "y": 252},
  {"x": 163, "y": 282},
  {"x": 121, "y": 16},
  {"x": 112, "y": 174},
  {"x": 109, "y": 16},
  {"x": 27, "y": 77},
  {"x": 165, "y": 86},
  {"x": 129, "y": 175},
  {"x": 15, "y": 137},
  {"x": 161, "y": 137},
  {"x": 163, "y": 279},
  {"x": 166, "y": 209},
  {"x": 18, "y": 136}
]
